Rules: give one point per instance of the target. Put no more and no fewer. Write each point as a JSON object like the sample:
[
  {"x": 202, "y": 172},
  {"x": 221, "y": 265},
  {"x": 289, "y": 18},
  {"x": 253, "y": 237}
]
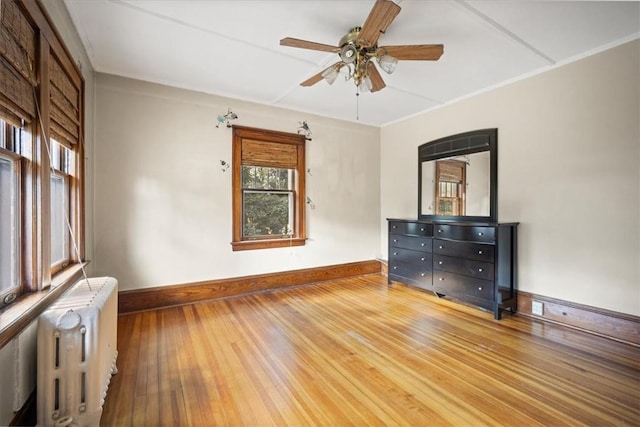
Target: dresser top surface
[{"x": 464, "y": 223}]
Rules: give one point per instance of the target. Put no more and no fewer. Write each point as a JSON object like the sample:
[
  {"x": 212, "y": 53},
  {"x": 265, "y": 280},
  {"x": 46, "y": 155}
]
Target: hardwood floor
[{"x": 358, "y": 352}]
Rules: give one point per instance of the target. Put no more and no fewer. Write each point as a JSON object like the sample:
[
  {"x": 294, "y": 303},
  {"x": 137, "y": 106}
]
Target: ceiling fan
[{"x": 359, "y": 48}]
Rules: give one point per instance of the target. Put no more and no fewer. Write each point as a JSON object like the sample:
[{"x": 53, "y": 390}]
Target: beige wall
[
  {"x": 569, "y": 172},
  {"x": 163, "y": 204}
]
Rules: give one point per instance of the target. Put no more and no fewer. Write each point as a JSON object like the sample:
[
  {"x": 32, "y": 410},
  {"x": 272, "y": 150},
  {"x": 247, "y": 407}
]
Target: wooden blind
[
  {"x": 65, "y": 106},
  {"x": 267, "y": 153},
  {"x": 450, "y": 171},
  {"x": 17, "y": 64}
]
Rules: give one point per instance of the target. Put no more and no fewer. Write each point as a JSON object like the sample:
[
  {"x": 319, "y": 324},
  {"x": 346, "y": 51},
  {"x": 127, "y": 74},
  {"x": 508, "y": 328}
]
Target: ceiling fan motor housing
[
  {"x": 351, "y": 46},
  {"x": 351, "y": 37}
]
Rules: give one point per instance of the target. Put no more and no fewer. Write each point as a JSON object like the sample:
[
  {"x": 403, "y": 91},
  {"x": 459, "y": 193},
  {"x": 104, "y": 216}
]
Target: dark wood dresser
[{"x": 472, "y": 262}]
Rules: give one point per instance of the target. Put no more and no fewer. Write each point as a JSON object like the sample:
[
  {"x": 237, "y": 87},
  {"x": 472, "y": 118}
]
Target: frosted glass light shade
[
  {"x": 330, "y": 75},
  {"x": 348, "y": 54},
  {"x": 365, "y": 85},
  {"x": 388, "y": 63}
]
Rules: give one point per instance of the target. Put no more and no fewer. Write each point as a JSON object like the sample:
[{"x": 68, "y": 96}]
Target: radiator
[{"x": 77, "y": 353}]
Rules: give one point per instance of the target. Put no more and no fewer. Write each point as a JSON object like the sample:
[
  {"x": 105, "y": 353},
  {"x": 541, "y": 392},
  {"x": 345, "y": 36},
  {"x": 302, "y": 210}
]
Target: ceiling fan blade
[
  {"x": 381, "y": 16},
  {"x": 318, "y": 77},
  {"x": 304, "y": 44},
  {"x": 312, "y": 80},
  {"x": 376, "y": 79},
  {"x": 418, "y": 52}
]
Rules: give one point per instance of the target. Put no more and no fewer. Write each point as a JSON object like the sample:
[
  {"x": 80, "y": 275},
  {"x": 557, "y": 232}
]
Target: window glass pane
[
  {"x": 265, "y": 178},
  {"x": 15, "y": 139},
  {"x": 266, "y": 214},
  {"x": 54, "y": 155},
  {"x": 22, "y": 139},
  {"x": 68, "y": 164},
  {"x": 59, "y": 218},
  {"x": 3, "y": 138},
  {"x": 62, "y": 158},
  {"x": 9, "y": 225}
]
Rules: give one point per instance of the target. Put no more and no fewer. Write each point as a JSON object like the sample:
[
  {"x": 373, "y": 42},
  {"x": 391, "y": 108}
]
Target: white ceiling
[{"x": 231, "y": 48}]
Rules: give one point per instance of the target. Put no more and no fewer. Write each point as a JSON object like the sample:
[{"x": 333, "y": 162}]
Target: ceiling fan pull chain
[{"x": 357, "y": 104}]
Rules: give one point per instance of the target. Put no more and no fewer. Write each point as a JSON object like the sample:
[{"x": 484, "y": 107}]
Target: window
[
  {"x": 268, "y": 189},
  {"x": 14, "y": 151},
  {"x": 62, "y": 162},
  {"x": 450, "y": 187},
  {"x": 267, "y": 199},
  {"x": 41, "y": 153}
]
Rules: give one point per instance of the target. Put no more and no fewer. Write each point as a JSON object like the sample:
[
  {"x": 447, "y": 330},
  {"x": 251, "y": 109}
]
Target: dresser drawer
[
  {"x": 475, "y": 251},
  {"x": 415, "y": 243},
  {"x": 412, "y": 257},
  {"x": 467, "y": 267},
  {"x": 458, "y": 285},
  {"x": 464, "y": 232},
  {"x": 413, "y": 228},
  {"x": 416, "y": 274}
]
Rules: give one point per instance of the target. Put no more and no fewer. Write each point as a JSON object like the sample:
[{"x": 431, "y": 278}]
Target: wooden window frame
[
  {"x": 268, "y": 137},
  {"x": 32, "y": 94}
]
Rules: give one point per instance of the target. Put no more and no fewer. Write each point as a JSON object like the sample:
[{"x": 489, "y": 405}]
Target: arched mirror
[{"x": 458, "y": 177}]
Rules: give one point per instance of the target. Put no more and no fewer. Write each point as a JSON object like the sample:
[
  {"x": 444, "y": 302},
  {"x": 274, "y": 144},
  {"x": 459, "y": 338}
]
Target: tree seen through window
[{"x": 267, "y": 197}]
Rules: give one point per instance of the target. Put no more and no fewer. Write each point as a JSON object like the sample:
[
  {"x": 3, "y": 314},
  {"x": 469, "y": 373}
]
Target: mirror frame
[{"x": 456, "y": 145}]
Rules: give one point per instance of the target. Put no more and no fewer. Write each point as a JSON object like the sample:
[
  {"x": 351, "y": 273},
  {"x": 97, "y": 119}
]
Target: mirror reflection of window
[
  {"x": 472, "y": 199},
  {"x": 450, "y": 187}
]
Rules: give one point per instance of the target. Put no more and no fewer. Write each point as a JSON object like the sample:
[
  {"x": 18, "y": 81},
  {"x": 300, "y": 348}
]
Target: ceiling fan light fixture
[
  {"x": 348, "y": 53},
  {"x": 330, "y": 74},
  {"x": 388, "y": 63},
  {"x": 358, "y": 50},
  {"x": 365, "y": 85}
]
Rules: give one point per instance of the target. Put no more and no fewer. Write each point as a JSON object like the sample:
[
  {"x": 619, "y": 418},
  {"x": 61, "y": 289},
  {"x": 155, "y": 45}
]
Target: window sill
[
  {"x": 18, "y": 315},
  {"x": 267, "y": 244}
]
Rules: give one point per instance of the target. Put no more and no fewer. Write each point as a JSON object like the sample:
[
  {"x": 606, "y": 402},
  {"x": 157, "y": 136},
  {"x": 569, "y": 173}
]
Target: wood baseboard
[
  {"x": 188, "y": 293},
  {"x": 618, "y": 326},
  {"x": 384, "y": 267}
]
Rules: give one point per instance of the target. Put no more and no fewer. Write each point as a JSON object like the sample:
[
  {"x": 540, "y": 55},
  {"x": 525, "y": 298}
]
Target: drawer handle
[
  {"x": 439, "y": 230},
  {"x": 440, "y": 262},
  {"x": 422, "y": 229},
  {"x": 479, "y": 288},
  {"x": 480, "y": 233},
  {"x": 395, "y": 253},
  {"x": 395, "y": 240},
  {"x": 440, "y": 247},
  {"x": 395, "y": 267},
  {"x": 421, "y": 244},
  {"x": 422, "y": 259},
  {"x": 480, "y": 270},
  {"x": 479, "y": 252},
  {"x": 422, "y": 274},
  {"x": 441, "y": 279},
  {"x": 394, "y": 226}
]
